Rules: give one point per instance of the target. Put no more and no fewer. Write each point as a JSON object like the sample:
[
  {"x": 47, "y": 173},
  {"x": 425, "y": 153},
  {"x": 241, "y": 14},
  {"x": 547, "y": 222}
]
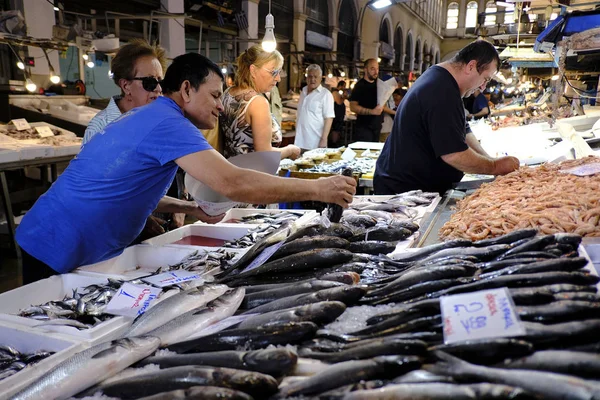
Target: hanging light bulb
[
  {"x": 330, "y": 75},
  {"x": 269, "y": 44},
  {"x": 85, "y": 56},
  {"x": 20, "y": 65},
  {"x": 90, "y": 64},
  {"x": 555, "y": 77},
  {"x": 54, "y": 78},
  {"x": 342, "y": 74},
  {"x": 378, "y": 59},
  {"x": 224, "y": 70},
  {"x": 30, "y": 86}
]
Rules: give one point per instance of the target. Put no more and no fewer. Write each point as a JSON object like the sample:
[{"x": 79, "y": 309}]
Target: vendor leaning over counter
[
  {"x": 100, "y": 203},
  {"x": 429, "y": 148}
]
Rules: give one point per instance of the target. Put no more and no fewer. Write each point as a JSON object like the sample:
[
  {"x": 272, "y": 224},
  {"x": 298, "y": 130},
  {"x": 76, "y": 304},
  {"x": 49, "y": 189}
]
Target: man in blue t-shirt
[
  {"x": 480, "y": 108},
  {"x": 429, "y": 148},
  {"x": 99, "y": 204}
]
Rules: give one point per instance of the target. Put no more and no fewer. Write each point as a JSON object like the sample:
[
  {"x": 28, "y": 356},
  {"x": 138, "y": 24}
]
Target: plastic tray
[
  {"x": 55, "y": 288},
  {"x": 236, "y": 214},
  {"x": 28, "y": 341},
  {"x": 223, "y": 232}
]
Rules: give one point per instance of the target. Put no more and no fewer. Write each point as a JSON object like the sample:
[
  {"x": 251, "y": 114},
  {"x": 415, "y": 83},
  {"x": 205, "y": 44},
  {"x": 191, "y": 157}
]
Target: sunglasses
[{"x": 149, "y": 83}]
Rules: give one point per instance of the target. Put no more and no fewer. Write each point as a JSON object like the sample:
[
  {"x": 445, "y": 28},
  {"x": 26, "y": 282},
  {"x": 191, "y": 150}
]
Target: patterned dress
[{"x": 236, "y": 132}]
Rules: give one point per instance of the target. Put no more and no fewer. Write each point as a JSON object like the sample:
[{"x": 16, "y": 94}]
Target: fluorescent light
[
  {"x": 378, "y": 59},
  {"x": 381, "y": 3},
  {"x": 504, "y": 4}
]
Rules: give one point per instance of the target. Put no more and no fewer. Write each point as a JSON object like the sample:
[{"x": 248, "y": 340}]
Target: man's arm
[
  {"x": 238, "y": 184},
  {"x": 388, "y": 110},
  {"x": 172, "y": 205},
  {"x": 473, "y": 143},
  {"x": 360, "y": 110},
  {"x": 471, "y": 162},
  {"x": 325, "y": 133},
  {"x": 482, "y": 113}
]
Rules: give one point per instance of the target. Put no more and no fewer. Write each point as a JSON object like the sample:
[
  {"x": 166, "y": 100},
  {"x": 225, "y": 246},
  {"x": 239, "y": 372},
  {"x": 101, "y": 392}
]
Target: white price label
[
  {"x": 221, "y": 325},
  {"x": 479, "y": 315},
  {"x": 21, "y": 124},
  {"x": 348, "y": 155},
  {"x": 171, "y": 278},
  {"x": 264, "y": 256},
  {"x": 132, "y": 300},
  {"x": 44, "y": 131}
]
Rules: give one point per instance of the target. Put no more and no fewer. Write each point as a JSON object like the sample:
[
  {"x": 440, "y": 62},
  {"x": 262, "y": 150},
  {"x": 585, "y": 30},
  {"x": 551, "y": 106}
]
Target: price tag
[
  {"x": 171, "y": 278},
  {"x": 348, "y": 155},
  {"x": 221, "y": 325},
  {"x": 132, "y": 300},
  {"x": 479, "y": 315},
  {"x": 44, "y": 131},
  {"x": 263, "y": 256},
  {"x": 21, "y": 124},
  {"x": 583, "y": 170}
]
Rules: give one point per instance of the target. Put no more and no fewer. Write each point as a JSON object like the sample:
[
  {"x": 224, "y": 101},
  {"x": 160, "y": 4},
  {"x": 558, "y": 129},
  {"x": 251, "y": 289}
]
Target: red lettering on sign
[{"x": 491, "y": 303}]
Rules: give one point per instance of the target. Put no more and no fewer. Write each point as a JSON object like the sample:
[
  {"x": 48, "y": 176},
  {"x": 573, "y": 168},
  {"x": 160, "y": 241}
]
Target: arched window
[
  {"x": 417, "y": 64},
  {"x": 424, "y": 61},
  {"x": 509, "y": 14},
  {"x": 409, "y": 53},
  {"x": 384, "y": 29},
  {"x": 317, "y": 12},
  {"x": 471, "y": 19},
  {"x": 452, "y": 16},
  {"x": 347, "y": 25},
  {"x": 398, "y": 47},
  {"x": 490, "y": 16},
  {"x": 437, "y": 57}
]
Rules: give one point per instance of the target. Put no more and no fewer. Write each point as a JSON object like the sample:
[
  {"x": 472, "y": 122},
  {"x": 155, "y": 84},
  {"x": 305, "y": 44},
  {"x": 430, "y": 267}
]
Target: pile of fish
[
  {"x": 13, "y": 361},
  {"x": 358, "y": 165},
  {"x": 274, "y": 218},
  {"x": 253, "y": 236},
  {"x": 204, "y": 261}
]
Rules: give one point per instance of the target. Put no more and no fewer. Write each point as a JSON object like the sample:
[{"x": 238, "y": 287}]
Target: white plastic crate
[
  {"x": 143, "y": 260},
  {"x": 222, "y": 232},
  {"x": 28, "y": 341},
  {"x": 55, "y": 288}
]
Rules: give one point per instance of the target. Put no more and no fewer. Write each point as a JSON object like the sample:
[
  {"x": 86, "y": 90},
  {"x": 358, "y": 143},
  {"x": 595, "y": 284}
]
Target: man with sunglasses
[
  {"x": 429, "y": 147},
  {"x": 90, "y": 214}
]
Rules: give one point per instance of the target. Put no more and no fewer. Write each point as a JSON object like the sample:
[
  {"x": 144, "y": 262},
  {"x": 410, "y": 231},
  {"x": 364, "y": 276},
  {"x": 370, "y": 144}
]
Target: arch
[
  {"x": 346, "y": 23},
  {"x": 317, "y": 13},
  {"x": 452, "y": 15},
  {"x": 490, "y": 13},
  {"x": 471, "y": 14},
  {"x": 385, "y": 28},
  {"x": 417, "y": 61},
  {"x": 333, "y": 12},
  {"x": 424, "y": 62},
  {"x": 409, "y": 52},
  {"x": 399, "y": 46}
]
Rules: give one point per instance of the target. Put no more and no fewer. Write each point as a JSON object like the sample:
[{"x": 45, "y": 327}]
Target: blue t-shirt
[
  {"x": 99, "y": 205},
  {"x": 479, "y": 104}
]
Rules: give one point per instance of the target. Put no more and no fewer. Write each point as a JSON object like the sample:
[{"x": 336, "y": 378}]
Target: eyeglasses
[
  {"x": 149, "y": 83},
  {"x": 274, "y": 72}
]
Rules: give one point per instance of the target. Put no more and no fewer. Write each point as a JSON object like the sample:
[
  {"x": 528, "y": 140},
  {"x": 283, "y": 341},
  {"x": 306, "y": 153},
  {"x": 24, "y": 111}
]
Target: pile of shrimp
[{"x": 544, "y": 198}]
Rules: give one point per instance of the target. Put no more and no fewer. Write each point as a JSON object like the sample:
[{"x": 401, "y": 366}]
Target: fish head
[{"x": 277, "y": 358}]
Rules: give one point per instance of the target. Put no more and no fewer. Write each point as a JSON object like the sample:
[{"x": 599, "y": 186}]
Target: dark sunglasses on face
[{"x": 149, "y": 83}]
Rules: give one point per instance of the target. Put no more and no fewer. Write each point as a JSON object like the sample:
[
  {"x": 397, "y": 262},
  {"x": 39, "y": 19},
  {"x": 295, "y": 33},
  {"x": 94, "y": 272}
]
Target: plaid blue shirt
[{"x": 103, "y": 118}]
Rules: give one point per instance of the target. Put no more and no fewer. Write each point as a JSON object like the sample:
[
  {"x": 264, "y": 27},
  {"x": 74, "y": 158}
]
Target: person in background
[
  {"x": 83, "y": 220},
  {"x": 397, "y": 96},
  {"x": 230, "y": 81},
  {"x": 429, "y": 147},
  {"x": 389, "y": 112},
  {"x": 339, "y": 108},
  {"x": 275, "y": 104},
  {"x": 246, "y": 122},
  {"x": 480, "y": 108},
  {"x": 363, "y": 102},
  {"x": 315, "y": 112}
]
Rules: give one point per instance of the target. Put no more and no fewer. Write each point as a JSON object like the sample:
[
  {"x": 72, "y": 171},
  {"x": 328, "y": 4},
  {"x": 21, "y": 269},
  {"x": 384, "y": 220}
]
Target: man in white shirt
[{"x": 315, "y": 112}]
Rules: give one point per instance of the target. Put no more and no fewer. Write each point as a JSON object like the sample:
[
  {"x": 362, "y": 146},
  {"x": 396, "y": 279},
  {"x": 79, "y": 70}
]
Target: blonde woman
[{"x": 247, "y": 124}]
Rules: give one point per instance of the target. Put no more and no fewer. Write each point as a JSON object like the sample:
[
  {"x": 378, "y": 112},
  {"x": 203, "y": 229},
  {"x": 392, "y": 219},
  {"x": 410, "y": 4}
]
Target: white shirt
[
  {"x": 103, "y": 118},
  {"x": 313, "y": 109}
]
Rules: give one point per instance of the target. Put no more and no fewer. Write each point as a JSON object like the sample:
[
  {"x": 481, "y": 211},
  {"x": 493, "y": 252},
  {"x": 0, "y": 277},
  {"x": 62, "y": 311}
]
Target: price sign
[
  {"x": 21, "y": 124},
  {"x": 132, "y": 300},
  {"x": 171, "y": 278},
  {"x": 263, "y": 256},
  {"x": 479, "y": 315},
  {"x": 348, "y": 154},
  {"x": 44, "y": 131}
]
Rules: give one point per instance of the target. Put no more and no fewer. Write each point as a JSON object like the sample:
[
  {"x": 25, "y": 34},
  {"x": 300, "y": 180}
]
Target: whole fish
[
  {"x": 384, "y": 347},
  {"x": 423, "y": 324},
  {"x": 255, "y": 338},
  {"x": 406, "y": 224},
  {"x": 563, "y": 333},
  {"x": 559, "y": 264},
  {"x": 426, "y": 251},
  {"x": 537, "y": 243},
  {"x": 415, "y": 291},
  {"x": 290, "y": 285},
  {"x": 89, "y": 367},
  {"x": 422, "y": 376},
  {"x": 183, "y": 326},
  {"x": 372, "y": 247},
  {"x": 531, "y": 296},
  {"x": 154, "y": 382},
  {"x": 256, "y": 299},
  {"x": 399, "y": 318},
  {"x": 497, "y": 265},
  {"x": 319, "y": 313},
  {"x": 346, "y": 294},
  {"x": 360, "y": 220},
  {"x": 174, "y": 306},
  {"x": 577, "y": 296},
  {"x": 549, "y": 385},
  {"x": 335, "y": 211},
  {"x": 272, "y": 361},
  {"x": 310, "y": 243},
  {"x": 347, "y": 372},
  {"x": 200, "y": 393},
  {"x": 429, "y": 306},
  {"x": 508, "y": 238},
  {"x": 559, "y": 311},
  {"x": 580, "y": 364},
  {"x": 482, "y": 253},
  {"x": 335, "y": 229},
  {"x": 383, "y": 233},
  {"x": 542, "y": 254},
  {"x": 487, "y": 351},
  {"x": 340, "y": 392}
]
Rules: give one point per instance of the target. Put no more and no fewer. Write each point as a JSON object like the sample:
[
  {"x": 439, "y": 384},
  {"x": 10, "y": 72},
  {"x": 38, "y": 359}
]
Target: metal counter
[{"x": 430, "y": 226}]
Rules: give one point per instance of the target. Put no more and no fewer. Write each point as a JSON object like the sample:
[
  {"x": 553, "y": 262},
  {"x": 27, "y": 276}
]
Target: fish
[
  {"x": 256, "y": 299},
  {"x": 252, "y": 339},
  {"x": 335, "y": 211},
  {"x": 584, "y": 365},
  {"x": 319, "y": 313},
  {"x": 340, "y": 392},
  {"x": 272, "y": 361},
  {"x": 359, "y": 220},
  {"x": 487, "y": 351},
  {"x": 200, "y": 393},
  {"x": 548, "y": 385},
  {"x": 399, "y": 318},
  {"x": 496, "y": 265},
  {"x": 310, "y": 243},
  {"x": 508, "y": 238},
  {"x": 334, "y": 229},
  {"x": 559, "y": 264},
  {"x": 428, "y": 324},
  {"x": 427, "y": 306},
  {"x": 482, "y": 253},
  {"x": 183, "y": 326},
  {"x": 372, "y": 247},
  {"x": 154, "y": 382},
  {"x": 428, "y": 250},
  {"x": 308, "y": 367},
  {"x": 174, "y": 306},
  {"x": 383, "y": 233},
  {"x": 88, "y": 367},
  {"x": 536, "y": 243},
  {"x": 577, "y": 296},
  {"x": 563, "y": 333},
  {"x": 559, "y": 311},
  {"x": 529, "y": 296},
  {"x": 346, "y": 294},
  {"x": 415, "y": 290},
  {"x": 347, "y": 372},
  {"x": 422, "y": 376},
  {"x": 384, "y": 347}
]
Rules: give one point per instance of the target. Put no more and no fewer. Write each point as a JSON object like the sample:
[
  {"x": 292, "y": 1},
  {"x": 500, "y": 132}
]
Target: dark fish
[
  {"x": 347, "y": 277},
  {"x": 256, "y": 299},
  {"x": 425, "y": 251},
  {"x": 482, "y": 253},
  {"x": 153, "y": 382},
  {"x": 404, "y": 223},
  {"x": 422, "y": 376},
  {"x": 320, "y": 313},
  {"x": 399, "y": 318},
  {"x": 414, "y": 291},
  {"x": 334, "y": 211},
  {"x": 274, "y": 361},
  {"x": 429, "y": 305},
  {"x": 372, "y": 247},
  {"x": 491, "y": 266},
  {"x": 577, "y": 296},
  {"x": 429, "y": 324},
  {"x": 255, "y": 338},
  {"x": 565, "y": 287},
  {"x": 530, "y": 296},
  {"x": 310, "y": 243},
  {"x": 533, "y": 254},
  {"x": 559, "y": 311},
  {"x": 359, "y": 220},
  {"x": 568, "y": 238},
  {"x": 507, "y": 238},
  {"x": 487, "y": 351},
  {"x": 549, "y": 385},
  {"x": 340, "y": 392},
  {"x": 580, "y": 364},
  {"x": 200, "y": 393},
  {"x": 384, "y": 233},
  {"x": 344, "y": 373},
  {"x": 331, "y": 342},
  {"x": 559, "y": 264},
  {"x": 335, "y": 229},
  {"x": 289, "y": 285},
  {"x": 564, "y": 333},
  {"x": 347, "y": 295},
  {"x": 537, "y": 243},
  {"x": 384, "y": 347}
]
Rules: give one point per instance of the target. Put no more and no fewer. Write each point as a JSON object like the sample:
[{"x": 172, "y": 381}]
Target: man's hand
[
  {"x": 337, "y": 189},
  {"x": 323, "y": 143},
  {"x": 506, "y": 165},
  {"x": 202, "y": 216},
  {"x": 294, "y": 151},
  {"x": 377, "y": 110},
  {"x": 154, "y": 227},
  {"x": 178, "y": 221}
]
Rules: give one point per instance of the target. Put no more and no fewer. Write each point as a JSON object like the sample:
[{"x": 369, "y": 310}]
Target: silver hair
[{"x": 313, "y": 67}]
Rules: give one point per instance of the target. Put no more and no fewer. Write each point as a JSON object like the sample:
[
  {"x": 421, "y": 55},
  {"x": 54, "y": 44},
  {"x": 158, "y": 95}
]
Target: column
[
  {"x": 333, "y": 32},
  {"x": 462, "y": 17},
  {"x": 250, "y": 8},
  {"x": 172, "y": 31},
  {"x": 39, "y": 16},
  {"x": 299, "y": 39}
]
